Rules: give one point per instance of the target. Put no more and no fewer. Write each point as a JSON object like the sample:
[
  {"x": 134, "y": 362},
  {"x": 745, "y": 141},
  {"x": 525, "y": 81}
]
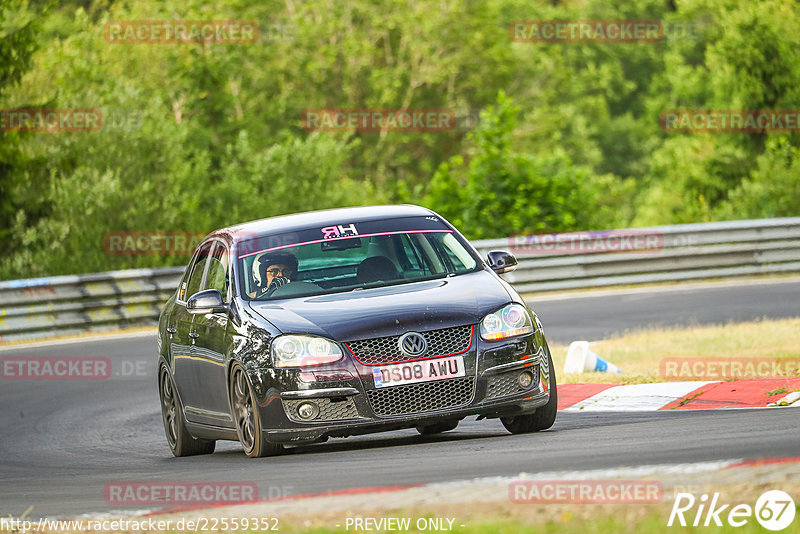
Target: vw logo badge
[{"x": 412, "y": 344}]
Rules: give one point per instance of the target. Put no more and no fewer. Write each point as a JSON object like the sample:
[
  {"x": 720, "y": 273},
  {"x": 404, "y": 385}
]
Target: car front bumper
[{"x": 346, "y": 401}]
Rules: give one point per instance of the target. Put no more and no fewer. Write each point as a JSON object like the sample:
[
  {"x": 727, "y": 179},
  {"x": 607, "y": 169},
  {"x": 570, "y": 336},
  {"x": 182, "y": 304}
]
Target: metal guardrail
[
  {"x": 668, "y": 253},
  {"x": 44, "y": 307},
  {"x": 60, "y": 305}
]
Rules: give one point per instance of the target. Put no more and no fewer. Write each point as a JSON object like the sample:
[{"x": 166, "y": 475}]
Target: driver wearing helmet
[{"x": 274, "y": 270}]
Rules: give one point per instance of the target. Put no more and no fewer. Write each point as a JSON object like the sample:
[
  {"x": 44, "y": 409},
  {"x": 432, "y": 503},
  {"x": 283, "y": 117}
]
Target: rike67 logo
[{"x": 774, "y": 510}]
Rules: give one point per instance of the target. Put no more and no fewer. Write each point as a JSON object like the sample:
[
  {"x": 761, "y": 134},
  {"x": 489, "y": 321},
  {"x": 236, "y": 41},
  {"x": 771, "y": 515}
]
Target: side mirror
[
  {"x": 208, "y": 301},
  {"x": 501, "y": 261}
]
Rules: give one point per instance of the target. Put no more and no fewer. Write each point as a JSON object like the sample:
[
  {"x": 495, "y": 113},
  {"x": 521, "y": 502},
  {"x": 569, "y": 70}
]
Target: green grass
[{"x": 777, "y": 391}]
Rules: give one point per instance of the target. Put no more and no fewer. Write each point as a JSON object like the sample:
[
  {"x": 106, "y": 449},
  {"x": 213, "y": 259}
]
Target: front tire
[
  {"x": 544, "y": 416},
  {"x": 180, "y": 441},
  {"x": 247, "y": 417}
]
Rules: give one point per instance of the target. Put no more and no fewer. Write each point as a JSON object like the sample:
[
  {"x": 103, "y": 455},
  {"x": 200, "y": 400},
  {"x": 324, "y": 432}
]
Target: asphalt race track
[{"x": 61, "y": 442}]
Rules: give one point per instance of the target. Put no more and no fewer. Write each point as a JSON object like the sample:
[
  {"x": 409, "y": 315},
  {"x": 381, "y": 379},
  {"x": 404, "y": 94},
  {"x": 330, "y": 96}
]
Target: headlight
[
  {"x": 508, "y": 321},
  {"x": 304, "y": 351}
]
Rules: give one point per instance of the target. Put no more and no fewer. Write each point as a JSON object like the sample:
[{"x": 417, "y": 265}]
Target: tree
[
  {"x": 501, "y": 191},
  {"x": 19, "y": 29}
]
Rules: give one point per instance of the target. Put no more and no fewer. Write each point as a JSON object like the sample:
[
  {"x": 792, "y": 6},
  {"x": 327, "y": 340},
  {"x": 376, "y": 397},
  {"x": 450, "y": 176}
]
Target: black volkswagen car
[{"x": 294, "y": 329}]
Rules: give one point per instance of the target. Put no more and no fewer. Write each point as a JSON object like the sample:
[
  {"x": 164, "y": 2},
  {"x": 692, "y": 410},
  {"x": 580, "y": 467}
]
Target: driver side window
[
  {"x": 197, "y": 270},
  {"x": 218, "y": 271}
]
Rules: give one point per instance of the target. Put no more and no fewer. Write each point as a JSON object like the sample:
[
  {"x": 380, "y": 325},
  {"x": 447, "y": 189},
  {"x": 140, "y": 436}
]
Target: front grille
[
  {"x": 422, "y": 397},
  {"x": 328, "y": 410},
  {"x": 384, "y": 350},
  {"x": 506, "y": 384}
]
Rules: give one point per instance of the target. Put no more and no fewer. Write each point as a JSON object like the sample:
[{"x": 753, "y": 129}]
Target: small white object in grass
[{"x": 580, "y": 359}]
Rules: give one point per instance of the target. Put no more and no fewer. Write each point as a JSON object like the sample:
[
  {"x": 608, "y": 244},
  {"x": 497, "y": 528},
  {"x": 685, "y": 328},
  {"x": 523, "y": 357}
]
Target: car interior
[{"x": 364, "y": 261}]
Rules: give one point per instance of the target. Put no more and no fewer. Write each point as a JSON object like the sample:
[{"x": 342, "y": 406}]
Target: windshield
[{"x": 347, "y": 257}]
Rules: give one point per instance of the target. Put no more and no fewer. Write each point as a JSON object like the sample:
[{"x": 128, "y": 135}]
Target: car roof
[{"x": 299, "y": 221}]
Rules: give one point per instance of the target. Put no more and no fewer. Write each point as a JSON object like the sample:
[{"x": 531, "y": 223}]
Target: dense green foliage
[{"x": 198, "y": 136}]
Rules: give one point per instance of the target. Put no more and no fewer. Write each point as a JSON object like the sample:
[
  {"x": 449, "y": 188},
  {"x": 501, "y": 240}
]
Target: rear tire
[
  {"x": 180, "y": 441},
  {"x": 544, "y": 416},
  {"x": 244, "y": 409},
  {"x": 437, "y": 428}
]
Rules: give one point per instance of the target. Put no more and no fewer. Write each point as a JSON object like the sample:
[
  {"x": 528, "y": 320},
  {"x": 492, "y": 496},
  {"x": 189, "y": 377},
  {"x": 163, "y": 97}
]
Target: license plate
[{"x": 422, "y": 371}]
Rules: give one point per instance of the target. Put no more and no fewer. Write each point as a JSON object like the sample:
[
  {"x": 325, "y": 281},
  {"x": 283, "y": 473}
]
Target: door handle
[
  {"x": 171, "y": 330},
  {"x": 194, "y": 335}
]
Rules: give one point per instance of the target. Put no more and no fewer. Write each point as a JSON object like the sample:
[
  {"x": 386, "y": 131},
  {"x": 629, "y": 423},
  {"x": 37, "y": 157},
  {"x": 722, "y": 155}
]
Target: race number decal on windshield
[{"x": 340, "y": 230}]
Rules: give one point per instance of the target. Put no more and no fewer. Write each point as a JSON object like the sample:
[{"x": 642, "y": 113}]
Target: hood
[{"x": 453, "y": 301}]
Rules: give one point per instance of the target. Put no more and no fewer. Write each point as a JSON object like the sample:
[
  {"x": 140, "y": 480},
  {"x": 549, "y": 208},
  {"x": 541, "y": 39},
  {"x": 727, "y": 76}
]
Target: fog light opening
[
  {"x": 308, "y": 410},
  {"x": 525, "y": 379}
]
